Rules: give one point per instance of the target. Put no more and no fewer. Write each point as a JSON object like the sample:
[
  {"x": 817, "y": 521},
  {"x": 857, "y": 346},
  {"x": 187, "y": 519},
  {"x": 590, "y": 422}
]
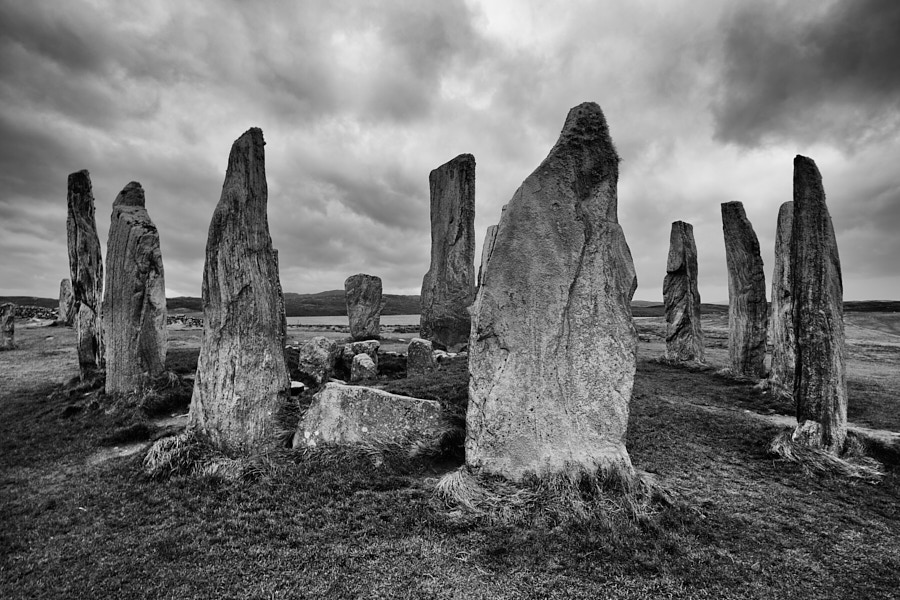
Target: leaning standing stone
[
  {"x": 781, "y": 374},
  {"x": 7, "y": 326},
  {"x": 448, "y": 288},
  {"x": 364, "y": 304},
  {"x": 242, "y": 376},
  {"x": 747, "y": 306},
  {"x": 86, "y": 270},
  {"x": 684, "y": 338},
  {"x": 134, "y": 305},
  {"x": 66, "y": 313},
  {"x": 552, "y": 350},
  {"x": 820, "y": 385}
]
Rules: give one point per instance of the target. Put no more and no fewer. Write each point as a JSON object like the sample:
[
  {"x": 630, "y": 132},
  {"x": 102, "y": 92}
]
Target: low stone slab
[
  {"x": 343, "y": 414},
  {"x": 363, "y": 368}
]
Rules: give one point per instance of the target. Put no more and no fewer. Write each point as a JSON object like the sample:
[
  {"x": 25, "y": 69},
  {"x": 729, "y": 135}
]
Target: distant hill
[{"x": 30, "y": 301}]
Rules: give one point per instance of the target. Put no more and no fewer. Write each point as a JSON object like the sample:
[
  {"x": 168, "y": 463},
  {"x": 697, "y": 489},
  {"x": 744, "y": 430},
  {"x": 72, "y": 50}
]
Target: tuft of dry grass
[{"x": 853, "y": 463}]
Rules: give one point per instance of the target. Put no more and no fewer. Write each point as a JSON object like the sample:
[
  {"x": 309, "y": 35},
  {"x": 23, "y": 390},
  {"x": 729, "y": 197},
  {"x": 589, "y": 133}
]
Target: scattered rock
[
  {"x": 242, "y": 377},
  {"x": 349, "y": 351},
  {"x": 364, "y": 304},
  {"x": 362, "y": 368},
  {"x": 747, "y": 306},
  {"x": 419, "y": 357},
  {"x": 552, "y": 351},
  {"x": 317, "y": 359},
  {"x": 342, "y": 414},
  {"x": 684, "y": 337},
  {"x": 781, "y": 373}
]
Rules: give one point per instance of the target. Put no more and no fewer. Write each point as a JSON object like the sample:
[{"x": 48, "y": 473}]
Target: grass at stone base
[{"x": 746, "y": 526}]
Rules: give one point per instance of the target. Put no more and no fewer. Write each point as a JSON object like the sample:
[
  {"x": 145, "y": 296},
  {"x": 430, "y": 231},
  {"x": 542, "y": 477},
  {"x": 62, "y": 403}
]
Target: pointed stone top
[
  {"x": 807, "y": 180},
  {"x": 462, "y": 158},
  {"x": 734, "y": 208},
  {"x": 131, "y": 195},
  {"x": 586, "y": 126}
]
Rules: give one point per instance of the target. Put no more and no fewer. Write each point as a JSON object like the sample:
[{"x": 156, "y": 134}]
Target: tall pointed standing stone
[
  {"x": 684, "y": 338},
  {"x": 364, "y": 304},
  {"x": 134, "y": 305},
  {"x": 242, "y": 376},
  {"x": 66, "y": 313},
  {"x": 448, "y": 288},
  {"x": 7, "y": 326},
  {"x": 86, "y": 270},
  {"x": 781, "y": 321},
  {"x": 820, "y": 385},
  {"x": 552, "y": 349},
  {"x": 486, "y": 250},
  {"x": 747, "y": 307}
]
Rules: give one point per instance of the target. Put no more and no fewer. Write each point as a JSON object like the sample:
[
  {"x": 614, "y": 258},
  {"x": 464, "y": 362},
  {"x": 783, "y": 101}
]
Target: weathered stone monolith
[
  {"x": 86, "y": 272},
  {"x": 419, "y": 357},
  {"x": 781, "y": 320},
  {"x": 364, "y": 304},
  {"x": 448, "y": 288},
  {"x": 7, "y": 326},
  {"x": 684, "y": 337},
  {"x": 134, "y": 304},
  {"x": 820, "y": 385},
  {"x": 66, "y": 313},
  {"x": 747, "y": 306},
  {"x": 242, "y": 377},
  {"x": 488, "y": 247},
  {"x": 552, "y": 349}
]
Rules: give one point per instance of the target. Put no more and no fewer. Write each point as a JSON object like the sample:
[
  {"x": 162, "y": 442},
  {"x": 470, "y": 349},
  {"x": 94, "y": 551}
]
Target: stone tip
[
  {"x": 79, "y": 176},
  {"x": 586, "y": 120},
  {"x": 131, "y": 195},
  {"x": 806, "y": 167},
  {"x": 682, "y": 225}
]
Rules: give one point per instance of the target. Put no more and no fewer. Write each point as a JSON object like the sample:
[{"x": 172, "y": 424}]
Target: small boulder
[
  {"x": 419, "y": 357},
  {"x": 363, "y": 368},
  {"x": 342, "y": 414},
  {"x": 317, "y": 358},
  {"x": 350, "y": 350}
]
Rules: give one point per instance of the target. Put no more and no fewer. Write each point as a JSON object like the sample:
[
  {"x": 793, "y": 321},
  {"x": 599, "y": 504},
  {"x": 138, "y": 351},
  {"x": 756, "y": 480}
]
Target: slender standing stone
[
  {"x": 684, "y": 338},
  {"x": 419, "y": 357},
  {"x": 781, "y": 374},
  {"x": 448, "y": 288},
  {"x": 486, "y": 250},
  {"x": 7, "y": 326},
  {"x": 66, "y": 313},
  {"x": 820, "y": 385},
  {"x": 86, "y": 270},
  {"x": 747, "y": 306},
  {"x": 242, "y": 376},
  {"x": 134, "y": 305},
  {"x": 364, "y": 304},
  {"x": 552, "y": 349}
]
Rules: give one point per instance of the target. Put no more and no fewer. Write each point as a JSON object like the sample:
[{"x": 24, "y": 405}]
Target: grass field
[{"x": 742, "y": 526}]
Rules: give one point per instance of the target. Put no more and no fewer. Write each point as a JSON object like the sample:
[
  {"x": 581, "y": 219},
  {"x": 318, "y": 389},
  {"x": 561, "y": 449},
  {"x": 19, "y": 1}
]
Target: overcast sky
[{"x": 707, "y": 102}]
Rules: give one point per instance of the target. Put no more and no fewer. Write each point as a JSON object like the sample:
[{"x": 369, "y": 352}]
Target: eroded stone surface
[
  {"x": 242, "y": 376},
  {"x": 86, "y": 271},
  {"x": 448, "y": 288},
  {"x": 781, "y": 320},
  {"x": 820, "y": 384},
  {"x": 419, "y": 357},
  {"x": 317, "y": 359},
  {"x": 363, "y": 368},
  {"x": 364, "y": 304},
  {"x": 552, "y": 349},
  {"x": 66, "y": 313},
  {"x": 349, "y": 351},
  {"x": 134, "y": 305},
  {"x": 684, "y": 337},
  {"x": 748, "y": 310},
  {"x": 488, "y": 247},
  {"x": 7, "y": 326},
  {"x": 344, "y": 414}
]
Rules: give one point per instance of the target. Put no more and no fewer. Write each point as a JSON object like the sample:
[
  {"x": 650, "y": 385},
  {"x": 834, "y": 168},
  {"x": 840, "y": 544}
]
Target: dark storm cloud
[{"x": 795, "y": 72}]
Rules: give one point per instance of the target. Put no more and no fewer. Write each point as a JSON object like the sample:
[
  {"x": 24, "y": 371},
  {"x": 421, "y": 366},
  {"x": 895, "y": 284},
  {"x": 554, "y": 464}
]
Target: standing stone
[
  {"x": 7, "y": 326},
  {"x": 820, "y": 385},
  {"x": 684, "y": 338},
  {"x": 747, "y": 306},
  {"x": 134, "y": 305},
  {"x": 419, "y": 357},
  {"x": 364, "y": 304},
  {"x": 242, "y": 377},
  {"x": 781, "y": 373},
  {"x": 66, "y": 314},
  {"x": 448, "y": 288},
  {"x": 552, "y": 350},
  {"x": 486, "y": 250},
  {"x": 86, "y": 271}
]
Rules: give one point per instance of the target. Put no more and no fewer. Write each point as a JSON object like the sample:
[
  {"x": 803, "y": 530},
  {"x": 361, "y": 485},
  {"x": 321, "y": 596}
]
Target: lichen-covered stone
[
  {"x": 552, "y": 349},
  {"x": 344, "y": 414},
  {"x": 86, "y": 271},
  {"x": 317, "y": 358},
  {"x": 364, "y": 305},
  {"x": 781, "y": 320},
  {"x": 684, "y": 336},
  {"x": 7, "y": 326},
  {"x": 363, "y": 368},
  {"x": 349, "y": 351},
  {"x": 448, "y": 288},
  {"x": 419, "y": 357},
  {"x": 242, "y": 377},
  {"x": 748, "y": 310},
  {"x": 66, "y": 313},
  {"x": 820, "y": 384},
  {"x": 134, "y": 305}
]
